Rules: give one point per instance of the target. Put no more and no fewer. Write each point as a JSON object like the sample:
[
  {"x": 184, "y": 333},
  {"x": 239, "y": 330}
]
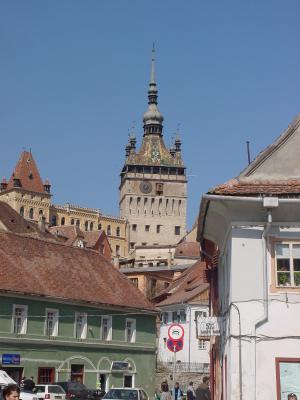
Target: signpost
[
  {"x": 174, "y": 344},
  {"x": 208, "y": 326}
]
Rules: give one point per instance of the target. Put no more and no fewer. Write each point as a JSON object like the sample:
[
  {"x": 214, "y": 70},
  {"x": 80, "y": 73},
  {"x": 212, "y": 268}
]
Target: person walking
[
  {"x": 202, "y": 391},
  {"x": 11, "y": 392},
  {"x": 165, "y": 394},
  {"x": 190, "y": 393},
  {"x": 178, "y": 394},
  {"x": 292, "y": 396}
]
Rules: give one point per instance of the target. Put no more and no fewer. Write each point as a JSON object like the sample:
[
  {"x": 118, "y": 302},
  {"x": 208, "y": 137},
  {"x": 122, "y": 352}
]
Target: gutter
[{"x": 260, "y": 199}]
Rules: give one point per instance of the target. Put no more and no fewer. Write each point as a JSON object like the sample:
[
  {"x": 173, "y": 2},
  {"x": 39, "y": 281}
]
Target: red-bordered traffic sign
[
  {"x": 175, "y": 332},
  {"x": 175, "y": 345}
]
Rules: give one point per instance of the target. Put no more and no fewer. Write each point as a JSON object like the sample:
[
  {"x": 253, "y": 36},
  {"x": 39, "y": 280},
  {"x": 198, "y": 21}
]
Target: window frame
[
  {"x": 274, "y": 287},
  {"x": 84, "y": 329},
  {"x": 23, "y": 330},
  {"x": 109, "y": 336},
  {"x": 55, "y": 311},
  {"x": 133, "y": 335}
]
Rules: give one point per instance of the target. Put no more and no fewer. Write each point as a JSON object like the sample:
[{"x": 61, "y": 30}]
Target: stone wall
[{"x": 182, "y": 377}]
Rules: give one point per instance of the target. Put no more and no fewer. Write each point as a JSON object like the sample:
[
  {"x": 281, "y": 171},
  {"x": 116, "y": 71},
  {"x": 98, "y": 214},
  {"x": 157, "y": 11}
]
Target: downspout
[{"x": 264, "y": 318}]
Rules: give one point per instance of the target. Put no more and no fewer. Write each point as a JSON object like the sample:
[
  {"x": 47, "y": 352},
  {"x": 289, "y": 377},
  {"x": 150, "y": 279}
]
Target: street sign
[
  {"x": 11, "y": 359},
  {"x": 175, "y": 345},
  {"x": 208, "y": 326},
  {"x": 176, "y": 332}
]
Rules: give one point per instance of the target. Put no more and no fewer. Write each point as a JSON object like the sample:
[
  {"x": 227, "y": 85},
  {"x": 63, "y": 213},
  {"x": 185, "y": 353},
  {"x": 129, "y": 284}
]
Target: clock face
[{"x": 145, "y": 187}]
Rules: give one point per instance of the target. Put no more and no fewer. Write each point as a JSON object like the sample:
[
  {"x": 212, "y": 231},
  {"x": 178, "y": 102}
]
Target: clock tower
[{"x": 153, "y": 190}]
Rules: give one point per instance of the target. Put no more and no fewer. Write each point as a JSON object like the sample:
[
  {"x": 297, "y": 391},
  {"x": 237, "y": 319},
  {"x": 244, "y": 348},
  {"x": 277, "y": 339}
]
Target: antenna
[{"x": 248, "y": 151}]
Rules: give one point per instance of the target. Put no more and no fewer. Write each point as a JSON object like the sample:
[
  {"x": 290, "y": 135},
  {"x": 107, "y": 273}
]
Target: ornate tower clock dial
[{"x": 145, "y": 187}]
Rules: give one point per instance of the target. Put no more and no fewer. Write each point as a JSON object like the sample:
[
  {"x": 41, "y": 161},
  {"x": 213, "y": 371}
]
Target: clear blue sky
[{"x": 74, "y": 75}]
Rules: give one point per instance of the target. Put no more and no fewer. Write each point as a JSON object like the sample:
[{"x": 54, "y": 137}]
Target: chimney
[{"x": 42, "y": 224}]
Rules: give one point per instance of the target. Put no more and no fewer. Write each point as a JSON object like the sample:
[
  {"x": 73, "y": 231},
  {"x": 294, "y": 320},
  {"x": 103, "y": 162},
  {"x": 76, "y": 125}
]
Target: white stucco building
[
  {"x": 250, "y": 232},
  {"x": 184, "y": 300}
]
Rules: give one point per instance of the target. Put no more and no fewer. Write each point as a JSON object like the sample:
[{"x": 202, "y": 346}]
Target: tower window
[
  {"x": 177, "y": 230},
  {"x": 147, "y": 228},
  {"x": 134, "y": 227},
  {"x": 158, "y": 228},
  {"x": 132, "y": 245},
  {"x": 159, "y": 188},
  {"x": 31, "y": 213}
]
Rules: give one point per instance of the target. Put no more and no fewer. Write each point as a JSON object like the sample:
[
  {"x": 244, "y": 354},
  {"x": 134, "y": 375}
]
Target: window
[
  {"x": 99, "y": 227},
  {"x": 78, "y": 223},
  {"x": 31, "y": 213},
  {"x": 109, "y": 230},
  {"x": 117, "y": 250},
  {"x": 19, "y": 321},
  {"x": 51, "y": 323},
  {"x": 287, "y": 261},
  {"x": 158, "y": 228},
  {"x": 165, "y": 317},
  {"x": 159, "y": 188},
  {"x": 201, "y": 344},
  {"x": 134, "y": 228},
  {"x": 132, "y": 245},
  {"x": 86, "y": 225},
  {"x": 118, "y": 231},
  {"x": 63, "y": 221},
  {"x": 106, "y": 327},
  {"x": 91, "y": 226},
  {"x": 72, "y": 221},
  {"x": 53, "y": 220},
  {"x": 130, "y": 330},
  {"x": 134, "y": 281},
  {"x": 144, "y": 243},
  {"x": 22, "y": 211},
  {"x": 46, "y": 375},
  {"x": 80, "y": 325},
  {"x": 177, "y": 230},
  {"x": 41, "y": 212},
  {"x": 147, "y": 228}
]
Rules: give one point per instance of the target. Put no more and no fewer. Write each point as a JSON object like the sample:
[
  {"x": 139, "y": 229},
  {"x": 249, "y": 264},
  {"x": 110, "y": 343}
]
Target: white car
[
  {"x": 50, "y": 392},
  {"x": 126, "y": 394}
]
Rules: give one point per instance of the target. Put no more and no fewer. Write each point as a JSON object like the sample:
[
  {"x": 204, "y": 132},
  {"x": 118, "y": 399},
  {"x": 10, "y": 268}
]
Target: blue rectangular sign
[{"x": 11, "y": 359}]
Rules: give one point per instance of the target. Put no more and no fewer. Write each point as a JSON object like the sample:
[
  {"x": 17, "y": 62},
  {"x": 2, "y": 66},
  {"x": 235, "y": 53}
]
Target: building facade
[
  {"x": 153, "y": 191},
  {"x": 249, "y": 228},
  {"x": 26, "y": 193}
]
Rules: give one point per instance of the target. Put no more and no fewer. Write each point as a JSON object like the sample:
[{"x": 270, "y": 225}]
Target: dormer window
[{"x": 30, "y": 176}]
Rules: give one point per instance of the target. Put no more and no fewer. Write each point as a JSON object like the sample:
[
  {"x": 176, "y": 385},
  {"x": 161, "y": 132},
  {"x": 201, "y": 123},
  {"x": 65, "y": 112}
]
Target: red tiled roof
[
  {"x": 12, "y": 221},
  {"x": 189, "y": 284},
  {"x": 188, "y": 249},
  {"x": 28, "y": 174},
  {"x": 235, "y": 187},
  {"x": 69, "y": 232},
  {"x": 43, "y": 268}
]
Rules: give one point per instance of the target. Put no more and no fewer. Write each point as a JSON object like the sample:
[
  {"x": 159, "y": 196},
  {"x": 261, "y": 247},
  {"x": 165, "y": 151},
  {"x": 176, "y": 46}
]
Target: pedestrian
[
  {"x": 202, "y": 391},
  {"x": 292, "y": 396},
  {"x": 11, "y": 392},
  {"x": 29, "y": 384},
  {"x": 165, "y": 394},
  {"x": 190, "y": 393},
  {"x": 177, "y": 395}
]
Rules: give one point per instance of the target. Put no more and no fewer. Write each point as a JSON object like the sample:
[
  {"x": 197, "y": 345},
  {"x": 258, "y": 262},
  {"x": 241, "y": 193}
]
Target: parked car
[
  {"x": 96, "y": 394},
  {"x": 27, "y": 395},
  {"x": 74, "y": 390},
  {"x": 126, "y": 394},
  {"x": 52, "y": 392}
]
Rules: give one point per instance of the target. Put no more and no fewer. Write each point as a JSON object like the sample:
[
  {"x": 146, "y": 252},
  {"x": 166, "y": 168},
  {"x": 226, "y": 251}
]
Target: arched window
[
  {"x": 31, "y": 213},
  {"x": 72, "y": 221},
  {"x": 99, "y": 227},
  {"x": 78, "y": 223},
  {"x": 91, "y": 226},
  {"x": 22, "y": 211},
  {"x": 63, "y": 221},
  {"x": 108, "y": 230},
  {"x": 41, "y": 212},
  {"x": 53, "y": 220},
  {"x": 86, "y": 225},
  {"x": 118, "y": 231}
]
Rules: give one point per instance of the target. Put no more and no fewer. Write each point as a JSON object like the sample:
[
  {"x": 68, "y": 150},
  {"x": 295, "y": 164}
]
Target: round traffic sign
[
  {"x": 175, "y": 345},
  {"x": 176, "y": 332}
]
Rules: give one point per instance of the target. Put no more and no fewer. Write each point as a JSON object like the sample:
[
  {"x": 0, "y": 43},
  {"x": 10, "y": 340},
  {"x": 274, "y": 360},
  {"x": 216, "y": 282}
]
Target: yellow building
[{"x": 26, "y": 193}]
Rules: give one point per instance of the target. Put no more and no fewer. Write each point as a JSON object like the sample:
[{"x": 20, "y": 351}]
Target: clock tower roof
[{"x": 153, "y": 150}]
